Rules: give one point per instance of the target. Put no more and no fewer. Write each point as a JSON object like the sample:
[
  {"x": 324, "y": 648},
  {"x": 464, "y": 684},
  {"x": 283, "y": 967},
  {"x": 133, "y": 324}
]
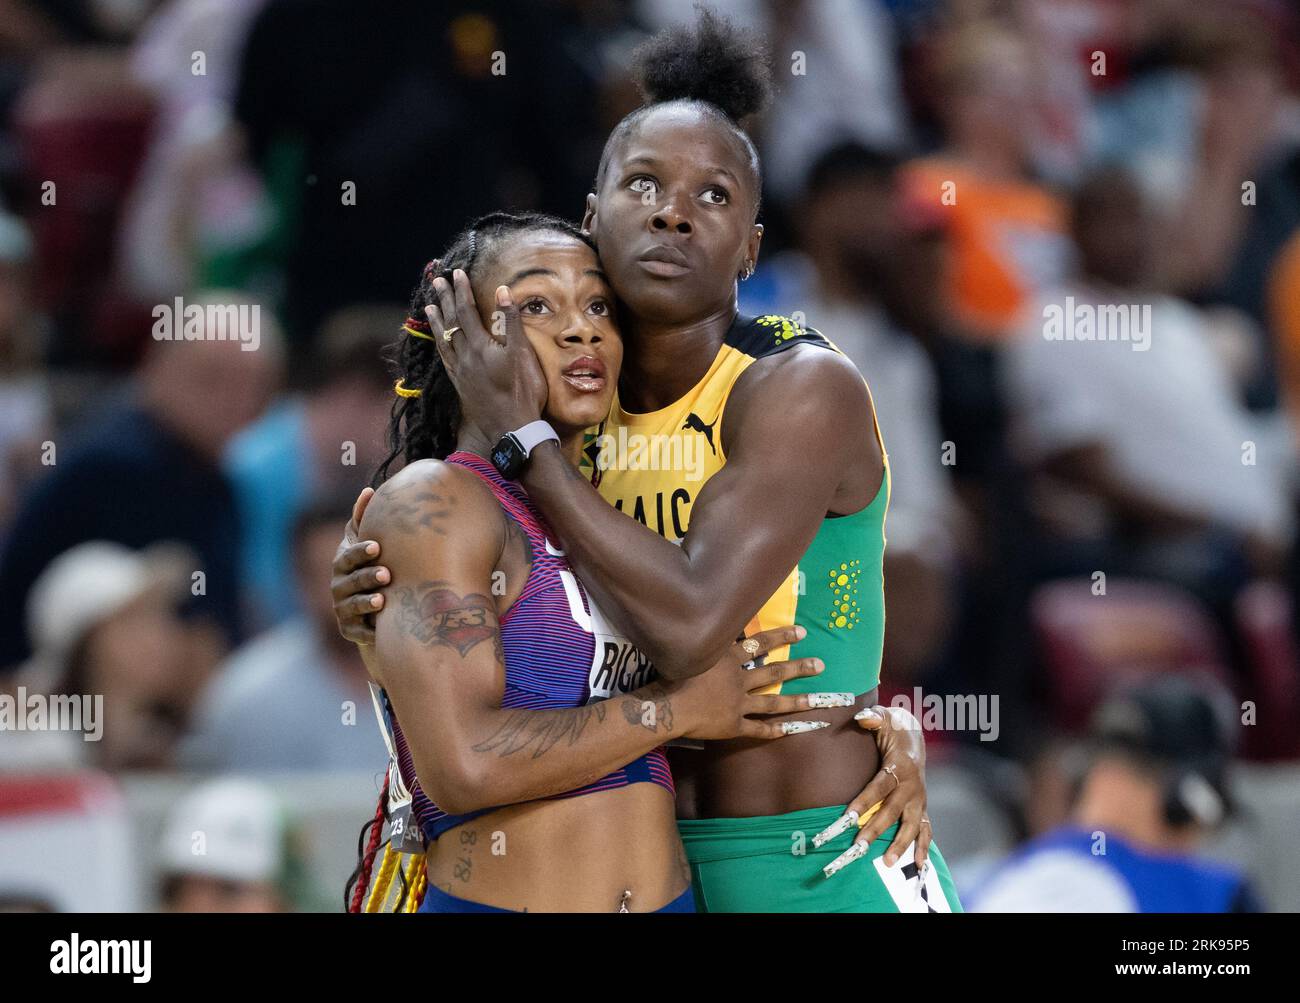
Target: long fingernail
[
  {"x": 799, "y": 727},
  {"x": 866, "y": 714},
  {"x": 844, "y": 859},
  {"x": 831, "y": 699},
  {"x": 919, "y": 896},
  {"x": 844, "y": 822}
]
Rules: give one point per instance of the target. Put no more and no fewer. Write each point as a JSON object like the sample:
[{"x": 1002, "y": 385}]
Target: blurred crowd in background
[{"x": 1066, "y": 515}]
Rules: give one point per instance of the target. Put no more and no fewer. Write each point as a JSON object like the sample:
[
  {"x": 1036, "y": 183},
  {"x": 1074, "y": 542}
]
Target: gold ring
[
  {"x": 890, "y": 769},
  {"x": 925, "y": 821},
  {"x": 750, "y": 647},
  {"x": 446, "y": 335}
]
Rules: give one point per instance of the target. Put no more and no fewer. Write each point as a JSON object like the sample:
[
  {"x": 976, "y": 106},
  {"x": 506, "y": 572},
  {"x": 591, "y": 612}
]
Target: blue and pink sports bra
[{"x": 560, "y": 651}]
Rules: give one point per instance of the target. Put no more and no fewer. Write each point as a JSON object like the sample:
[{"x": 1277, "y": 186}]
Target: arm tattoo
[
  {"x": 434, "y": 614},
  {"x": 514, "y": 531},
  {"x": 540, "y": 730},
  {"x": 652, "y": 713},
  {"x": 464, "y": 866},
  {"x": 414, "y": 507}
]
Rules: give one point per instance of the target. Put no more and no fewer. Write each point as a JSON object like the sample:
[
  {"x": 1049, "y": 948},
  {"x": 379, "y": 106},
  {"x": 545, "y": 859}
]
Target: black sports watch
[{"x": 513, "y": 449}]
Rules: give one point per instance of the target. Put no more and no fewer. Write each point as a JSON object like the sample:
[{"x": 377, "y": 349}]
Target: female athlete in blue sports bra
[{"x": 527, "y": 731}]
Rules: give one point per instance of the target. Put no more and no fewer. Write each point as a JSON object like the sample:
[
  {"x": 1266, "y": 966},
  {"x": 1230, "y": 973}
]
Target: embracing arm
[
  {"x": 438, "y": 654},
  {"x": 749, "y": 526}
]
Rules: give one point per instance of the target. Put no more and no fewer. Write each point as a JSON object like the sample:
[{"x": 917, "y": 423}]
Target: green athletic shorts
[{"x": 768, "y": 864}]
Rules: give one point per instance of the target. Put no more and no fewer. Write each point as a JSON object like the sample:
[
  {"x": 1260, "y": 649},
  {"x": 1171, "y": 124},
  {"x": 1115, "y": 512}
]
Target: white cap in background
[
  {"x": 86, "y": 585},
  {"x": 230, "y": 828}
]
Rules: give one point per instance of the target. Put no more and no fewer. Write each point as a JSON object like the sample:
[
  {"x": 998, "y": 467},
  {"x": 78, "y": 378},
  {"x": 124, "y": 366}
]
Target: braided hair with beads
[{"x": 424, "y": 425}]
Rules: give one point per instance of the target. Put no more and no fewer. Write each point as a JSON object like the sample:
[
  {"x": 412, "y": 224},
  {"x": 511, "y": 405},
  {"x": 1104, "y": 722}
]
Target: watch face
[{"x": 507, "y": 457}]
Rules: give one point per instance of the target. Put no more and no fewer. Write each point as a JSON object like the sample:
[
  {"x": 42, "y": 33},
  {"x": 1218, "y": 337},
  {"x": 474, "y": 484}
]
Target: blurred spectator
[
  {"x": 1149, "y": 464},
  {"x": 849, "y": 230},
  {"x": 1262, "y": 197},
  {"x": 1006, "y": 232},
  {"x": 150, "y": 472},
  {"x": 1196, "y": 117},
  {"x": 324, "y": 440},
  {"x": 297, "y": 696},
  {"x": 25, "y": 406},
  {"x": 971, "y": 410},
  {"x": 1156, "y": 785},
  {"x": 104, "y": 622},
  {"x": 224, "y": 849},
  {"x": 377, "y": 144},
  {"x": 82, "y": 125},
  {"x": 1283, "y": 306},
  {"x": 988, "y": 649},
  {"x": 197, "y": 199},
  {"x": 1189, "y": 97}
]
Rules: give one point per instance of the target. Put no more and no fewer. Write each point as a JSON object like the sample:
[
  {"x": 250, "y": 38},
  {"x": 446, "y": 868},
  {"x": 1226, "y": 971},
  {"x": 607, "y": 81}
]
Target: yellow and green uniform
[{"x": 652, "y": 467}]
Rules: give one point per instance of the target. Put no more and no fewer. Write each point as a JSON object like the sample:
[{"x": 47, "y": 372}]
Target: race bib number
[
  {"x": 404, "y": 830},
  {"x": 903, "y": 882},
  {"x": 617, "y": 665}
]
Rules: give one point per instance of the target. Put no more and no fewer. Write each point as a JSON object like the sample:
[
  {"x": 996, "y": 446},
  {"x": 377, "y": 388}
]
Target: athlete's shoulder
[
  {"x": 772, "y": 334},
  {"x": 432, "y": 496},
  {"x": 802, "y": 387},
  {"x": 796, "y": 372},
  {"x": 432, "y": 473},
  {"x": 793, "y": 355}
]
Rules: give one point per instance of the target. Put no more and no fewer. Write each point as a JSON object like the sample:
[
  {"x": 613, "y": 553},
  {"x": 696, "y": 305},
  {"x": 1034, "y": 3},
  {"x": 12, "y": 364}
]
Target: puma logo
[{"x": 695, "y": 422}]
